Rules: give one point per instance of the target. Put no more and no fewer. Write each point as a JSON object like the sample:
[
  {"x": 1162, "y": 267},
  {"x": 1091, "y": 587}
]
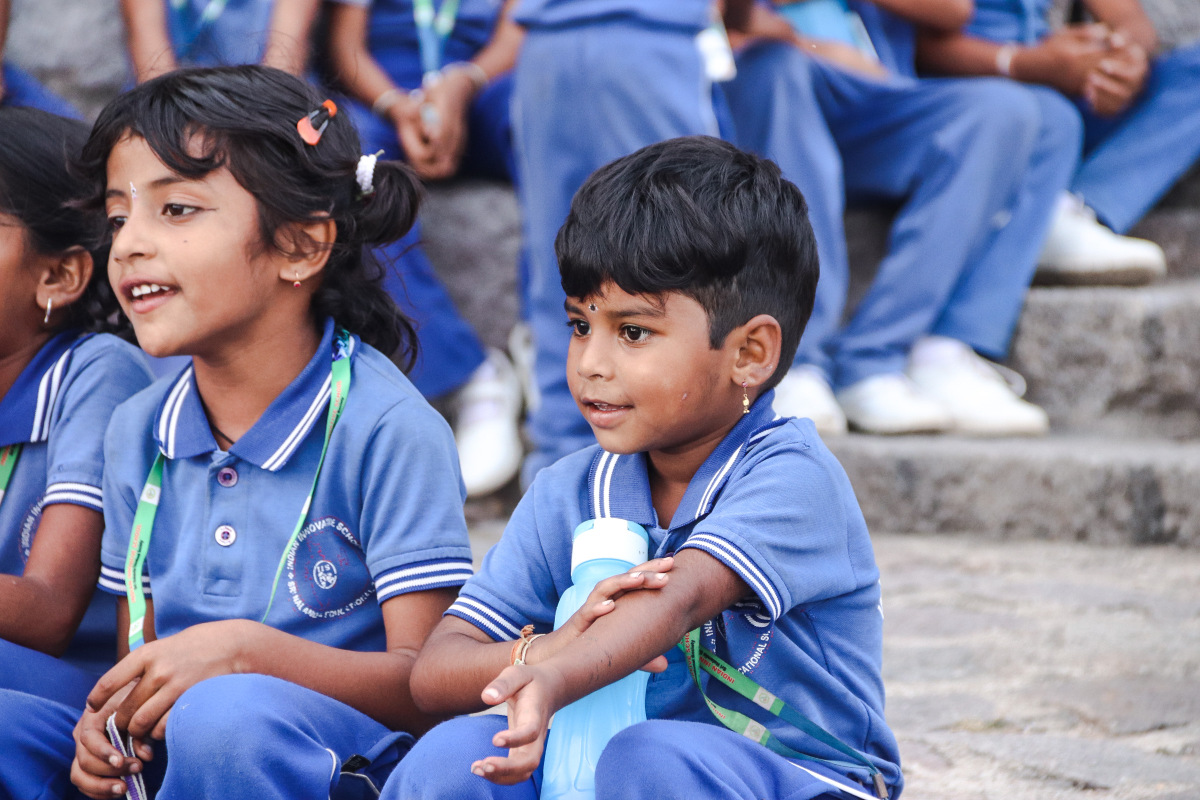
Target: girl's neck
[
  {"x": 238, "y": 384},
  {"x": 13, "y": 362}
]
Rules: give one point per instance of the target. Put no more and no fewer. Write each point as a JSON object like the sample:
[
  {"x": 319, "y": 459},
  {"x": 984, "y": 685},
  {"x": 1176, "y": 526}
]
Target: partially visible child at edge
[
  {"x": 60, "y": 379},
  {"x": 238, "y": 239},
  {"x": 690, "y": 269}
]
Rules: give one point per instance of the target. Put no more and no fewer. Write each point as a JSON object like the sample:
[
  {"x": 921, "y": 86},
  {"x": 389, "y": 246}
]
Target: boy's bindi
[{"x": 591, "y": 306}]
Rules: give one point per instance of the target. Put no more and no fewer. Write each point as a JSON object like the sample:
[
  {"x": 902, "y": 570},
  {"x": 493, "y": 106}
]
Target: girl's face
[
  {"x": 18, "y": 287},
  {"x": 187, "y": 263}
]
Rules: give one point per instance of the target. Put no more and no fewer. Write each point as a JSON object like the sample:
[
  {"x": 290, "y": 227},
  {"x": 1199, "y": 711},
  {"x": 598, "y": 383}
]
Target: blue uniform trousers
[
  {"x": 1131, "y": 160},
  {"x": 23, "y": 90},
  {"x": 450, "y": 349},
  {"x": 652, "y": 760},
  {"x": 235, "y": 736},
  {"x": 977, "y": 170},
  {"x": 584, "y": 96}
]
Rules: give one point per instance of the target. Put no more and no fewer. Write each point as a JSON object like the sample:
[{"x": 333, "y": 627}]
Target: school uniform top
[
  {"x": 690, "y": 14},
  {"x": 773, "y": 505},
  {"x": 893, "y": 37},
  {"x": 386, "y": 517},
  {"x": 211, "y": 33},
  {"x": 1022, "y": 21},
  {"x": 57, "y": 411},
  {"x": 392, "y": 34}
]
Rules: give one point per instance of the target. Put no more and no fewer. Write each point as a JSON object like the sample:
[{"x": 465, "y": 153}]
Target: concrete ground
[{"x": 1027, "y": 670}]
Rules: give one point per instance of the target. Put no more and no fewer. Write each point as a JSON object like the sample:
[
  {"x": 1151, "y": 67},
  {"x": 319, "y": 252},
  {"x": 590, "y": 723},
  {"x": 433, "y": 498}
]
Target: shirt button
[
  {"x": 225, "y": 535},
  {"x": 227, "y": 477}
]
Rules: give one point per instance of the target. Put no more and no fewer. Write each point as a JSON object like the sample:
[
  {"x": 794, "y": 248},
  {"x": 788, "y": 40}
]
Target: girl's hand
[
  {"x": 533, "y": 696},
  {"x": 450, "y": 98},
  {"x": 1117, "y": 80},
  {"x": 97, "y": 763},
  {"x": 410, "y": 132},
  {"x": 165, "y": 668},
  {"x": 602, "y": 600}
]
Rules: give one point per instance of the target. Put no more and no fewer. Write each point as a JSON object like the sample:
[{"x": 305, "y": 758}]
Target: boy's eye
[
  {"x": 579, "y": 327},
  {"x": 633, "y": 333}
]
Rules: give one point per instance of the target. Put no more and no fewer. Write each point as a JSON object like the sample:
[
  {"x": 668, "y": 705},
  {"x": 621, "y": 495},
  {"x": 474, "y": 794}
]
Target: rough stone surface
[
  {"x": 1021, "y": 670},
  {"x": 1087, "y": 489}
]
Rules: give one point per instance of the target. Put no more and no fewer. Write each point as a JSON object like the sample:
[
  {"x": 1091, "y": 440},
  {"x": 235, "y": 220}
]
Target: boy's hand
[
  {"x": 1065, "y": 58},
  {"x": 98, "y": 768},
  {"x": 533, "y": 694},
  {"x": 410, "y": 132},
  {"x": 450, "y": 97},
  {"x": 164, "y": 669},
  {"x": 602, "y": 600},
  {"x": 1118, "y": 79}
]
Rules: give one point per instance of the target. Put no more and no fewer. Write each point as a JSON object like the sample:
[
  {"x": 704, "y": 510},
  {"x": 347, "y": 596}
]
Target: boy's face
[{"x": 644, "y": 376}]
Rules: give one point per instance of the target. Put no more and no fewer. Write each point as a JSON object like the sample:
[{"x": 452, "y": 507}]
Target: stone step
[
  {"x": 1091, "y": 489},
  {"x": 1114, "y": 360}
]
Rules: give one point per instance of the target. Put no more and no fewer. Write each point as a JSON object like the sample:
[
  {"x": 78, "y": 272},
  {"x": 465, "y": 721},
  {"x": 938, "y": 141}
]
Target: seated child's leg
[
  {"x": 35, "y": 755},
  {"x": 439, "y": 765},
  {"x": 489, "y": 150},
  {"x": 38, "y": 674},
  {"x": 673, "y": 758},
  {"x": 1148, "y": 147},
  {"x": 255, "y": 736}
]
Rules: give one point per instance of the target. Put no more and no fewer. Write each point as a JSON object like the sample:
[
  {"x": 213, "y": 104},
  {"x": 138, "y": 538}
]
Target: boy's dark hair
[
  {"x": 700, "y": 217},
  {"x": 37, "y": 189},
  {"x": 244, "y": 118}
]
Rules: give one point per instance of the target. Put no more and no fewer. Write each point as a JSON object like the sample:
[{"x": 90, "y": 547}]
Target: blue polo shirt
[
  {"x": 205, "y": 37},
  {"x": 386, "y": 518},
  {"x": 58, "y": 409},
  {"x": 1021, "y": 21},
  {"x": 690, "y": 14},
  {"x": 893, "y": 37},
  {"x": 392, "y": 34},
  {"x": 773, "y": 505}
]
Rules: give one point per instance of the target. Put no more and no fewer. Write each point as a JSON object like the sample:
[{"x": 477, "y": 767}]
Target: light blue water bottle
[{"x": 602, "y": 548}]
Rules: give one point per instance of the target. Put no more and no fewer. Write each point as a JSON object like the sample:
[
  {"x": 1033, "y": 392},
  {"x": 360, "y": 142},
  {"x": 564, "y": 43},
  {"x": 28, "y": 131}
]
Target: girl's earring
[
  {"x": 745, "y": 399},
  {"x": 49, "y": 305},
  {"x": 296, "y": 283}
]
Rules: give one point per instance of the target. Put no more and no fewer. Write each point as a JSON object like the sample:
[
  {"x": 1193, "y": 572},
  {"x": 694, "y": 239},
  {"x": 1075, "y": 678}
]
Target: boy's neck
[
  {"x": 670, "y": 471},
  {"x": 14, "y": 362},
  {"x": 237, "y": 385}
]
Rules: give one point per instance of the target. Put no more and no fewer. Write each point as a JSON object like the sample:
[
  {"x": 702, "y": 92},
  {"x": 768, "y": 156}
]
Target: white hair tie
[{"x": 364, "y": 174}]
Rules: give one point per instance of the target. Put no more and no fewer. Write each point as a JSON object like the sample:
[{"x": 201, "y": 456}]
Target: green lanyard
[
  {"x": 147, "y": 507},
  {"x": 699, "y": 659},
  {"x": 432, "y": 31},
  {"x": 8, "y": 462}
]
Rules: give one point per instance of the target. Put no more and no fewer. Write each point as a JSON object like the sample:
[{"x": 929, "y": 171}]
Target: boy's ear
[
  {"x": 308, "y": 245},
  {"x": 64, "y": 278},
  {"x": 759, "y": 343}
]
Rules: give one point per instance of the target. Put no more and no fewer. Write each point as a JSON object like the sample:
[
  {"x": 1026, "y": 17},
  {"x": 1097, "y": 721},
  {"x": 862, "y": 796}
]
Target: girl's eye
[
  {"x": 633, "y": 333},
  {"x": 115, "y": 223},
  {"x": 579, "y": 327},
  {"x": 178, "y": 210}
]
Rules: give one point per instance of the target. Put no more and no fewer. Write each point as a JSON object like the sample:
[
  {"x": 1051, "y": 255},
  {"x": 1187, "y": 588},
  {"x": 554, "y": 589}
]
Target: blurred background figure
[{"x": 20, "y": 89}]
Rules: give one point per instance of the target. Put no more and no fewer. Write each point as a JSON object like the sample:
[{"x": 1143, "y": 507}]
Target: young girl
[
  {"x": 284, "y": 517},
  {"x": 59, "y": 383}
]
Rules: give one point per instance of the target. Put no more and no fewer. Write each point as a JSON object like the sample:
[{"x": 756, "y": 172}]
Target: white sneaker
[
  {"x": 974, "y": 391},
  {"x": 804, "y": 392},
  {"x": 521, "y": 350},
  {"x": 1080, "y": 251},
  {"x": 891, "y": 404},
  {"x": 487, "y": 428}
]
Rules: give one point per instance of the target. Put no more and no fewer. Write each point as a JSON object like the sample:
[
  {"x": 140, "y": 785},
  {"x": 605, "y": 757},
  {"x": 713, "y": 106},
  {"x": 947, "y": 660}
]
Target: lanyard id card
[
  {"x": 8, "y": 463},
  {"x": 700, "y": 659},
  {"x": 147, "y": 507}
]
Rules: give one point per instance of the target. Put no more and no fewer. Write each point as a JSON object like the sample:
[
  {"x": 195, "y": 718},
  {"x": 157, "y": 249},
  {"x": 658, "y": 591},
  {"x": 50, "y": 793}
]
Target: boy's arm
[
  {"x": 641, "y": 627},
  {"x": 147, "y": 38},
  {"x": 288, "y": 40},
  {"x": 1062, "y": 60},
  {"x": 941, "y": 15},
  {"x": 1127, "y": 18}
]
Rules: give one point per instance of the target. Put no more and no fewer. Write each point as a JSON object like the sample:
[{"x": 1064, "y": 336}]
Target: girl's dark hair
[
  {"x": 244, "y": 118},
  {"x": 37, "y": 188}
]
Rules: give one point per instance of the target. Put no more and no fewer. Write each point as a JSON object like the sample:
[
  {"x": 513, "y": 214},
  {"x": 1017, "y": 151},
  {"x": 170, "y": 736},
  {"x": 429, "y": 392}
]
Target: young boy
[{"x": 689, "y": 269}]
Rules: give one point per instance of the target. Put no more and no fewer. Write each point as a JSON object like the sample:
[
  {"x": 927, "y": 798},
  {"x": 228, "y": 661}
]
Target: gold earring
[
  {"x": 49, "y": 305},
  {"x": 296, "y": 283},
  {"x": 745, "y": 399}
]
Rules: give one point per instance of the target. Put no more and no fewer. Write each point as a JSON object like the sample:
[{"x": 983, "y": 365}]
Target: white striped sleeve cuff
[
  {"x": 113, "y": 581},
  {"x": 736, "y": 559},
  {"x": 486, "y": 618},
  {"x": 419, "y": 577},
  {"x": 79, "y": 494}
]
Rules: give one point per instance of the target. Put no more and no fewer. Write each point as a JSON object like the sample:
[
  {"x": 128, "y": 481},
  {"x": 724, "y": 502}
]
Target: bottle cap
[{"x": 609, "y": 537}]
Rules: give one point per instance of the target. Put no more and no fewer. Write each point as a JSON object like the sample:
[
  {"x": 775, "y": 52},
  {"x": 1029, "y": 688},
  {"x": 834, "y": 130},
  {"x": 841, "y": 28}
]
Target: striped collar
[
  {"x": 181, "y": 427},
  {"x": 26, "y": 409},
  {"x": 619, "y": 486}
]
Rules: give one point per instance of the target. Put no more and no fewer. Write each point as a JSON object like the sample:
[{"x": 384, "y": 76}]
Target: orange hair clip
[{"x": 312, "y": 125}]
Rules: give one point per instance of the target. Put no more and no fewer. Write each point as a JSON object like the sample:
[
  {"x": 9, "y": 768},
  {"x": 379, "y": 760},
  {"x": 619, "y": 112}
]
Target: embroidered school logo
[
  {"x": 742, "y": 635},
  {"x": 29, "y": 526},
  {"x": 327, "y": 575}
]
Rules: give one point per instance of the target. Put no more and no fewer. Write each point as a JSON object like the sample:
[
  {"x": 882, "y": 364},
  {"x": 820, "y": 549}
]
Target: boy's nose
[{"x": 594, "y": 360}]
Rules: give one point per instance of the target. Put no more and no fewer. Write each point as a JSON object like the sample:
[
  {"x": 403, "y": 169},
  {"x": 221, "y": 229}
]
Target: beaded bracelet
[{"x": 521, "y": 646}]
